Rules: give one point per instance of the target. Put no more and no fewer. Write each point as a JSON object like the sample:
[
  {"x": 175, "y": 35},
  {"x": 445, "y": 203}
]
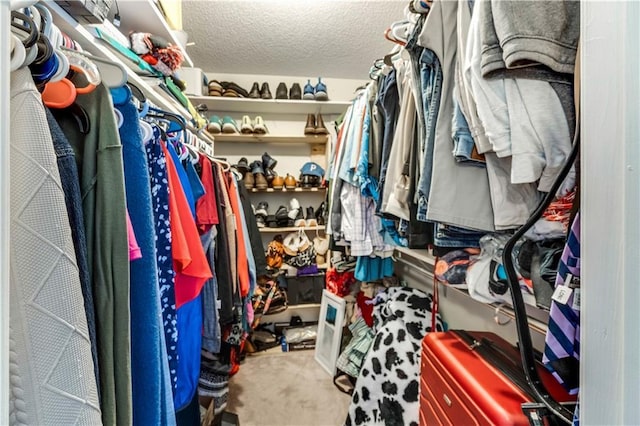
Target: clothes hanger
[
  {"x": 18, "y": 53},
  {"x": 112, "y": 74}
]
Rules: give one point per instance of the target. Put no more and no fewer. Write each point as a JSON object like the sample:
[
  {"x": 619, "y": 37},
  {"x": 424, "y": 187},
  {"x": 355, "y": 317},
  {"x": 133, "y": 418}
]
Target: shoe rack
[{"x": 270, "y": 106}]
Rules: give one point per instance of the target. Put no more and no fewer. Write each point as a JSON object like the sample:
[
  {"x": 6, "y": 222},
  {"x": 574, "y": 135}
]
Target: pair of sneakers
[
  {"x": 256, "y": 126},
  {"x": 315, "y": 93},
  {"x": 296, "y": 214},
  {"x": 218, "y": 125}
]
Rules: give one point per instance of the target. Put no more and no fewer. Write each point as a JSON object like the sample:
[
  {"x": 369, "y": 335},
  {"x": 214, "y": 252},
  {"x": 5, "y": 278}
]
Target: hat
[{"x": 312, "y": 169}]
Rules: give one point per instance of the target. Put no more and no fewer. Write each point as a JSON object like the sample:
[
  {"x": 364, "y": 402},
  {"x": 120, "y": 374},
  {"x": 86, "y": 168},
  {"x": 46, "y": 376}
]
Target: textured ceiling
[{"x": 327, "y": 38}]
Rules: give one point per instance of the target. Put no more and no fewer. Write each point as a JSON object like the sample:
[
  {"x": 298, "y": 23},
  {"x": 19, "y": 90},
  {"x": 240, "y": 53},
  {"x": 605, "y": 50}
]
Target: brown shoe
[
  {"x": 277, "y": 182},
  {"x": 289, "y": 182},
  {"x": 310, "y": 127},
  {"x": 261, "y": 181},
  {"x": 320, "y": 127},
  {"x": 249, "y": 181}
]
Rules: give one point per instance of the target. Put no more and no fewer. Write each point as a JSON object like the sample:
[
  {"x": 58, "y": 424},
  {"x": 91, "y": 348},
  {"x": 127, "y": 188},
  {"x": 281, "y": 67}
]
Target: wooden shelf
[
  {"x": 292, "y": 229},
  {"x": 321, "y": 189},
  {"x": 144, "y": 16},
  {"x": 270, "y": 139},
  {"x": 217, "y": 104}
]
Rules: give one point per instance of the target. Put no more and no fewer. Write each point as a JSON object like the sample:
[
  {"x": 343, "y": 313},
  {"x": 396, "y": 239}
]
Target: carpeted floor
[{"x": 286, "y": 388}]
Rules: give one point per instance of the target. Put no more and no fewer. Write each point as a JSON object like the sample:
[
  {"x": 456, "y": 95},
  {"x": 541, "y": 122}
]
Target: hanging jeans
[
  {"x": 211, "y": 335},
  {"x": 431, "y": 91}
]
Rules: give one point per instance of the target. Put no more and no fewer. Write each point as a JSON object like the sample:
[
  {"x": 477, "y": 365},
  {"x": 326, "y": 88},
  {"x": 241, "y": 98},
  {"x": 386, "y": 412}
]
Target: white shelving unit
[
  {"x": 144, "y": 16},
  {"x": 292, "y": 229},
  {"x": 272, "y": 106},
  {"x": 321, "y": 189},
  {"x": 270, "y": 139},
  {"x": 89, "y": 43}
]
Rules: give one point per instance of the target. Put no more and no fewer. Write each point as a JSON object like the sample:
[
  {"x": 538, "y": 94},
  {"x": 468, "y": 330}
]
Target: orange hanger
[{"x": 388, "y": 36}]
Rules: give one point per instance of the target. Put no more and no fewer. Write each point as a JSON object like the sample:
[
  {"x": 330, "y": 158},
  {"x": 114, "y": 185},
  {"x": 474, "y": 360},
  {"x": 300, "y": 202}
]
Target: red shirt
[
  {"x": 206, "y": 210},
  {"x": 189, "y": 261}
]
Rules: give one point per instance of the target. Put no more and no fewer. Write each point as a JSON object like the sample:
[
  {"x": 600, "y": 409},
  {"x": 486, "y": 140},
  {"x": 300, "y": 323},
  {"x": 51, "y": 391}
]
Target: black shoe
[
  {"x": 295, "y": 92},
  {"x": 321, "y": 213},
  {"x": 271, "y": 221},
  {"x": 242, "y": 166},
  {"x": 230, "y": 85},
  {"x": 265, "y": 93},
  {"x": 260, "y": 221},
  {"x": 262, "y": 209},
  {"x": 255, "y": 91},
  {"x": 268, "y": 162},
  {"x": 269, "y": 174},
  {"x": 282, "y": 214},
  {"x": 311, "y": 217},
  {"x": 281, "y": 91},
  {"x": 299, "y": 220}
]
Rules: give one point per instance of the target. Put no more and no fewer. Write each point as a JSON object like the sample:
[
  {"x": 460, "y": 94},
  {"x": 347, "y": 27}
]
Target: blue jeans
[
  {"x": 211, "y": 335},
  {"x": 463, "y": 143},
  {"x": 431, "y": 90},
  {"x": 454, "y": 236},
  {"x": 389, "y": 104}
]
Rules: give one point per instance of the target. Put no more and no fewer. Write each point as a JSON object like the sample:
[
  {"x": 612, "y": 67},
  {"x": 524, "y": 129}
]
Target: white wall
[{"x": 610, "y": 338}]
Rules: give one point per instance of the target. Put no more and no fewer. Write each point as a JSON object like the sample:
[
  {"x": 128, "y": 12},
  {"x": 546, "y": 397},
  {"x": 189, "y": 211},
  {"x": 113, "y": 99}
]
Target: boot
[
  {"x": 268, "y": 162},
  {"x": 311, "y": 217},
  {"x": 249, "y": 180},
  {"x": 320, "y": 127},
  {"x": 265, "y": 93},
  {"x": 258, "y": 175},
  {"x": 321, "y": 213},
  {"x": 310, "y": 127},
  {"x": 255, "y": 91}
]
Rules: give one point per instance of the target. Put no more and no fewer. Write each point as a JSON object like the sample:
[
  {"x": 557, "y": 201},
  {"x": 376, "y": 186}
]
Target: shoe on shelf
[
  {"x": 255, "y": 91},
  {"x": 282, "y": 216},
  {"x": 268, "y": 162},
  {"x": 249, "y": 180},
  {"x": 233, "y": 87},
  {"x": 281, "y": 91},
  {"x": 271, "y": 221},
  {"x": 299, "y": 219},
  {"x": 230, "y": 93},
  {"x": 321, "y": 129},
  {"x": 261, "y": 221},
  {"x": 246, "y": 127},
  {"x": 259, "y": 127},
  {"x": 321, "y": 213},
  {"x": 265, "y": 93},
  {"x": 215, "y": 124},
  {"x": 295, "y": 92},
  {"x": 290, "y": 182},
  {"x": 310, "y": 127},
  {"x": 320, "y": 91},
  {"x": 262, "y": 209},
  {"x": 278, "y": 182},
  {"x": 270, "y": 175},
  {"x": 258, "y": 175},
  {"x": 229, "y": 125},
  {"x": 242, "y": 166},
  {"x": 294, "y": 205},
  {"x": 311, "y": 217},
  {"x": 215, "y": 88},
  {"x": 309, "y": 92}
]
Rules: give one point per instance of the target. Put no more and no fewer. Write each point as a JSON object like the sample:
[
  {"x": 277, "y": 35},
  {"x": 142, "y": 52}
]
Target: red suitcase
[{"x": 459, "y": 386}]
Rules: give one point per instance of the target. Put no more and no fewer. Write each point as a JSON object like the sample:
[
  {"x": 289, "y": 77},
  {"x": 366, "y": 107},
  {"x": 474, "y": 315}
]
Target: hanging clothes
[
  {"x": 73, "y": 200},
  {"x": 50, "y": 360},
  {"x": 99, "y": 157},
  {"x": 149, "y": 374},
  {"x": 159, "y": 182}
]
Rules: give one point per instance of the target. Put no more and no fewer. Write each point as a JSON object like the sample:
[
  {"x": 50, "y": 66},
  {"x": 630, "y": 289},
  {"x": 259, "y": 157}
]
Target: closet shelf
[
  {"x": 89, "y": 43},
  {"x": 321, "y": 189},
  {"x": 292, "y": 229},
  {"x": 144, "y": 16},
  {"x": 270, "y": 139},
  {"x": 217, "y": 104}
]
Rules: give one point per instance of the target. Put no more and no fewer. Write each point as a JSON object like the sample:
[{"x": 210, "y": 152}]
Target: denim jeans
[
  {"x": 454, "y": 236},
  {"x": 463, "y": 143},
  {"x": 211, "y": 335},
  {"x": 73, "y": 200},
  {"x": 431, "y": 90}
]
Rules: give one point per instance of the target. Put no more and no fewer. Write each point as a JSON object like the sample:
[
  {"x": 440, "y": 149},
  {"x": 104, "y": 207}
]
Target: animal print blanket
[{"x": 387, "y": 389}]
